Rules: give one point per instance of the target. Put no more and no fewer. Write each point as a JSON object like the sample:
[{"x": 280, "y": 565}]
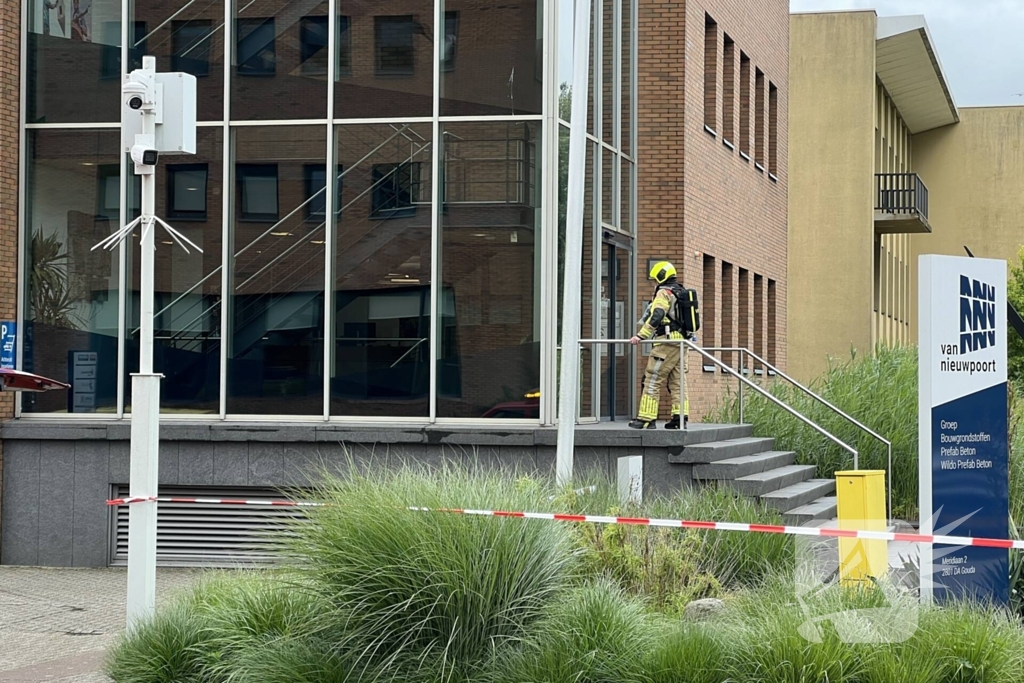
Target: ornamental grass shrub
[
  {"x": 411, "y": 589},
  {"x": 371, "y": 592}
]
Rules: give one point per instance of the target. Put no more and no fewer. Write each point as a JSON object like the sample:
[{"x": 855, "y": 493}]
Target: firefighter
[{"x": 664, "y": 362}]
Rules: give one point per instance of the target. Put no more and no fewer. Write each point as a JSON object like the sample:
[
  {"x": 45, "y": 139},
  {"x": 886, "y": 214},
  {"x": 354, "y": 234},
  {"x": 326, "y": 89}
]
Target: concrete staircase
[{"x": 753, "y": 468}]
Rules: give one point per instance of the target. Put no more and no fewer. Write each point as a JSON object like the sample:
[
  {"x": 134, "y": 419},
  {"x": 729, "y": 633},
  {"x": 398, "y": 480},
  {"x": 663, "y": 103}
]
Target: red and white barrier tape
[{"x": 640, "y": 521}]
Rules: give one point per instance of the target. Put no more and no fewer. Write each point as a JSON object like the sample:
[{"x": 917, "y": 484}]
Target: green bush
[
  {"x": 878, "y": 390},
  {"x": 410, "y": 587},
  {"x": 593, "y": 635},
  {"x": 670, "y": 567},
  {"x": 170, "y": 648},
  {"x": 199, "y": 636},
  {"x": 688, "y": 653}
]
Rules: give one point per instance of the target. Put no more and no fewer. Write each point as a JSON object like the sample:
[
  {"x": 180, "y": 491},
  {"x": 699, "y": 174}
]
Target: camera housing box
[{"x": 175, "y": 95}]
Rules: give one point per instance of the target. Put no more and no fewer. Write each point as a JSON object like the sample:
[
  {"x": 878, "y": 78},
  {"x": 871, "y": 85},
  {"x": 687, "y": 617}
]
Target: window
[
  {"x": 729, "y": 91},
  {"x": 759, "y": 136},
  {"x": 257, "y": 192},
  {"x": 758, "y": 319},
  {"x": 394, "y": 40},
  {"x": 744, "y": 313},
  {"x": 745, "y": 105},
  {"x": 110, "y": 60},
  {"x": 190, "y": 42},
  {"x": 395, "y": 189},
  {"x": 108, "y": 184},
  {"x": 315, "y": 179},
  {"x": 313, "y": 45},
  {"x": 343, "y": 66},
  {"x": 108, "y": 192},
  {"x": 186, "y": 191},
  {"x": 728, "y": 307},
  {"x": 710, "y": 284},
  {"x": 773, "y": 130},
  {"x": 451, "y": 31},
  {"x": 772, "y": 328},
  {"x": 256, "y": 55},
  {"x": 710, "y": 73}
]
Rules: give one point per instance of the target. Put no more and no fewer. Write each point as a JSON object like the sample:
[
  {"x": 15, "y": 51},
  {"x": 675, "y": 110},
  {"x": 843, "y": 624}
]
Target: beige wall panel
[{"x": 831, "y": 159}]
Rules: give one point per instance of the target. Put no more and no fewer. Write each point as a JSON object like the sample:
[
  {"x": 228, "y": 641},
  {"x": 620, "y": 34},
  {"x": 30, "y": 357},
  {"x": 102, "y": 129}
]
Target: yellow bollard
[{"x": 860, "y": 497}]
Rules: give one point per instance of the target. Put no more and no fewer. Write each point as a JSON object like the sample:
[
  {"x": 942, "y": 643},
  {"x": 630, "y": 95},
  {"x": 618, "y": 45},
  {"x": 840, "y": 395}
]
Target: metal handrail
[
  {"x": 863, "y": 427},
  {"x": 685, "y": 342}
]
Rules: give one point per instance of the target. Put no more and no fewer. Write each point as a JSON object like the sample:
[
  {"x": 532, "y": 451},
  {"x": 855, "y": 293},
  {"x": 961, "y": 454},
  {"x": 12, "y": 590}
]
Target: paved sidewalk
[{"x": 55, "y": 624}]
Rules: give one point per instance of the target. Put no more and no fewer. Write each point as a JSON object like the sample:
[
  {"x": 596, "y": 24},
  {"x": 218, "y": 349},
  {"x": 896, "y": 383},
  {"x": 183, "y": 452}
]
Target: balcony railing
[{"x": 901, "y": 203}]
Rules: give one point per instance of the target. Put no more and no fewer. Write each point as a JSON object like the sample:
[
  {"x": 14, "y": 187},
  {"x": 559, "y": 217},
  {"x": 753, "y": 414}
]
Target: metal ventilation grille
[{"x": 210, "y": 535}]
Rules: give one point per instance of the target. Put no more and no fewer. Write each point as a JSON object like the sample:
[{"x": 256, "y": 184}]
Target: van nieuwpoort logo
[{"x": 977, "y": 315}]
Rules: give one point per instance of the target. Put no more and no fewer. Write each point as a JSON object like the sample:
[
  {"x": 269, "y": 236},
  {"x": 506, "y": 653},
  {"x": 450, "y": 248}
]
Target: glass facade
[
  {"x": 369, "y": 193},
  {"x": 609, "y": 220}
]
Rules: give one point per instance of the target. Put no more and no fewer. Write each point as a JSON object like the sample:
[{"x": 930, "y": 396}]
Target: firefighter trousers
[{"x": 663, "y": 365}]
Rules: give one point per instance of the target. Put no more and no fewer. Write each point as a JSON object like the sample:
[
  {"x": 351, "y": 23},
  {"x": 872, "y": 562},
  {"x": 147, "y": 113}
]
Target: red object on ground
[{"x": 16, "y": 380}]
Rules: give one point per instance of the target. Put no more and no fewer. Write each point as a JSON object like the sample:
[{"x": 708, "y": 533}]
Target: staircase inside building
[{"x": 753, "y": 468}]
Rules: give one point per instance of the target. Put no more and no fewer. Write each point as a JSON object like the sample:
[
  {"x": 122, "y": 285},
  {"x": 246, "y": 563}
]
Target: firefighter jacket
[{"x": 657, "y": 320}]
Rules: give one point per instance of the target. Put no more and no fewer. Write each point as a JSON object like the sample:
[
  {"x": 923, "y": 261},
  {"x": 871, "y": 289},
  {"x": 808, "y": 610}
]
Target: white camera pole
[
  {"x": 151, "y": 100},
  {"x": 145, "y": 448}
]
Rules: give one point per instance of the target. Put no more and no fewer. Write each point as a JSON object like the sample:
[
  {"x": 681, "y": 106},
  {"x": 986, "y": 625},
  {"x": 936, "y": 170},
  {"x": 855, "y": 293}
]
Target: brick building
[{"x": 380, "y": 195}]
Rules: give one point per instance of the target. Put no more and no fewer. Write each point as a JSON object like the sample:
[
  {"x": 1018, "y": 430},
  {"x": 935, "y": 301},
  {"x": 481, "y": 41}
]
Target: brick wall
[
  {"x": 10, "y": 51},
  {"x": 700, "y": 202}
]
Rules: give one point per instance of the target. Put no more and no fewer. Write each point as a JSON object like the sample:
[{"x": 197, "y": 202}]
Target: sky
[{"x": 980, "y": 43}]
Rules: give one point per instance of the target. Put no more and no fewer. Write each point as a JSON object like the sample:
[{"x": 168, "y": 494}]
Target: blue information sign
[
  {"x": 9, "y": 339},
  {"x": 964, "y": 480}
]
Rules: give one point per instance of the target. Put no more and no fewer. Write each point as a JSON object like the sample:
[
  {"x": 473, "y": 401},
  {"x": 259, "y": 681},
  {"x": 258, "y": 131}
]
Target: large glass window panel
[
  {"x": 609, "y": 212},
  {"x": 499, "y": 70},
  {"x": 71, "y": 292},
  {"x": 72, "y": 73},
  {"x": 616, "y": 276},
  {"x": 183, "y": 36},
  {"x": 280, "y": 60},
  {"x": 275, "y": 347},
  {"x": 593, "y": 74},
  {"x": 566, "y": 23},
  {"x": 384, "y": 59},
  {"x": 626, "y": 197},
  {"x": 187, "y": 333},
  {"x": 589, "y": 314},
  {"x": 489, "y": 362},
  {"x": 382, "y": 319},
  {"x": 609, "y": 87},
  {"x": 626, "y": 142}
]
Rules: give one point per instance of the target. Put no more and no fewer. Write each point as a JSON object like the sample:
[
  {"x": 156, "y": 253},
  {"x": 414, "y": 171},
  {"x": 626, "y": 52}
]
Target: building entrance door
[{"x": 617, "y": 361}]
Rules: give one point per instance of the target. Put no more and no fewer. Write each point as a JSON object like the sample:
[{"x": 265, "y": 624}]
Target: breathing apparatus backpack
[{"x": 686, "y": 312}]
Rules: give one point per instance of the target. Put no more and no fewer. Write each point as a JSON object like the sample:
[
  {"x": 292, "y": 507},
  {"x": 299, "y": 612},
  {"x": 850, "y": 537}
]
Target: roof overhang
[{"x": 909, "y": 68}]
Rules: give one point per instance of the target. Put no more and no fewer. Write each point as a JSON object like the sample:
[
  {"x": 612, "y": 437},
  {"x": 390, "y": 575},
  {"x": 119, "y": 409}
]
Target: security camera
[
  {"x": 144, "y": 156},
  {"x": 135, "y": 94}
]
